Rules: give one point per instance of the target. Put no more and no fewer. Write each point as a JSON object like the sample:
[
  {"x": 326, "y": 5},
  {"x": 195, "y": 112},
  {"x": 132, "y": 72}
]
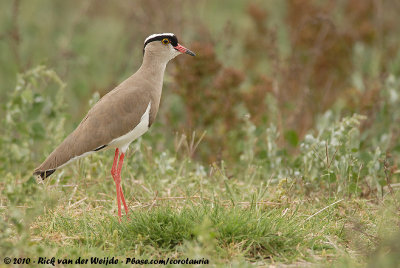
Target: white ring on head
[{"x": 155, "y": 35}]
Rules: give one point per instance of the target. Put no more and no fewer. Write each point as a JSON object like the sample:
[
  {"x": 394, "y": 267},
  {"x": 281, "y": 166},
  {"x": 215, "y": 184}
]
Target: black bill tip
[{"x": 189, "y": 52}]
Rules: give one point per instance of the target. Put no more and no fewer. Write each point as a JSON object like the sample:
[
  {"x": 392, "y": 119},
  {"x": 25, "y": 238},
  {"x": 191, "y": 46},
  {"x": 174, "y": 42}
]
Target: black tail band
[{"x": 44, "y": 174}]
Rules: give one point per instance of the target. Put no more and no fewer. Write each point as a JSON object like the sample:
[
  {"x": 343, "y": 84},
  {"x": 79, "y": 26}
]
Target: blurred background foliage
[
  {"x": 281, "y": 62},
  {"x": 305, "y": 89},
  {"x": 303, "y": 93}
]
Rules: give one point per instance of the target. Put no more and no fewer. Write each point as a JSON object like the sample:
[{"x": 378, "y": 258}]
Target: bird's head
[{"x": 164, "y": 46}]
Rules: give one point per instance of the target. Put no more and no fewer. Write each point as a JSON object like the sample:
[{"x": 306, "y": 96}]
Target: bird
[{"x": 121, "y": 116}]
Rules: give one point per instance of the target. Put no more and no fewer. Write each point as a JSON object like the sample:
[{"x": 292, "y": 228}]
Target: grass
[
  {"x": 324, "y": 206},
  {"x": 229, "y": 231},
  {"x": 299, "y": 167},
  {"x": 181, "y": 214}
]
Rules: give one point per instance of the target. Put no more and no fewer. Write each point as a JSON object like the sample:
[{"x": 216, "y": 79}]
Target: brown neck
[{"x": 153, "y": 70}]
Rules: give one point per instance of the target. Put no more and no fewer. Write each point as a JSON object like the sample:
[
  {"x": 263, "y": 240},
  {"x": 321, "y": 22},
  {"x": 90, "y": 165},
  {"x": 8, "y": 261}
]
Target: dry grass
[{"x": 277, "y": 145}]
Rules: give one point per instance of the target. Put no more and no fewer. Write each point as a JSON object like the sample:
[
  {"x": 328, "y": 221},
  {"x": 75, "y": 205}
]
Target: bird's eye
[{"x": 165, "y": 41}]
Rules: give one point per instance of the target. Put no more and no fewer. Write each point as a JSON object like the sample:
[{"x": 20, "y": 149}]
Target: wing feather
[{"x": 114, "y": 115}]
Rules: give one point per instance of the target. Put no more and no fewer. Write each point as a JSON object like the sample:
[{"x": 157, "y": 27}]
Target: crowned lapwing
[{"x": 122, "y": 115}]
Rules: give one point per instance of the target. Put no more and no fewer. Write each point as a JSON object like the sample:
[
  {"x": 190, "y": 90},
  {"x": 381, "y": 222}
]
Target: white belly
[{"x": 122, "y": 143}]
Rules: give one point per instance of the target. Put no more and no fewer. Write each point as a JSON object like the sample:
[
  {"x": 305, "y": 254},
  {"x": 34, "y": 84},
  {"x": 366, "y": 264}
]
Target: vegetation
[{"x": 277, "y": 145}]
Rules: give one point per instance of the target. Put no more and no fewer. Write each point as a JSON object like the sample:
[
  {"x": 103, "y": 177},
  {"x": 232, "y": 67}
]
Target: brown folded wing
[{"x": 114, "y": 115}]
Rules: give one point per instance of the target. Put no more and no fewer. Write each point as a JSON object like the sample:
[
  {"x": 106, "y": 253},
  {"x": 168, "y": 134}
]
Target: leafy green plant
[{"x": 34, "y": 116}]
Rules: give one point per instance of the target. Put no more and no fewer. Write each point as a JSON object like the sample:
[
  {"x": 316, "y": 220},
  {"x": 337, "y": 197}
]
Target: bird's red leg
[
  {"x": 117, "y": 180},
  {"x": 114, "y": 166},
  {"x": 121, "y": 161},
  {"x": 123, "y": 200}
]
